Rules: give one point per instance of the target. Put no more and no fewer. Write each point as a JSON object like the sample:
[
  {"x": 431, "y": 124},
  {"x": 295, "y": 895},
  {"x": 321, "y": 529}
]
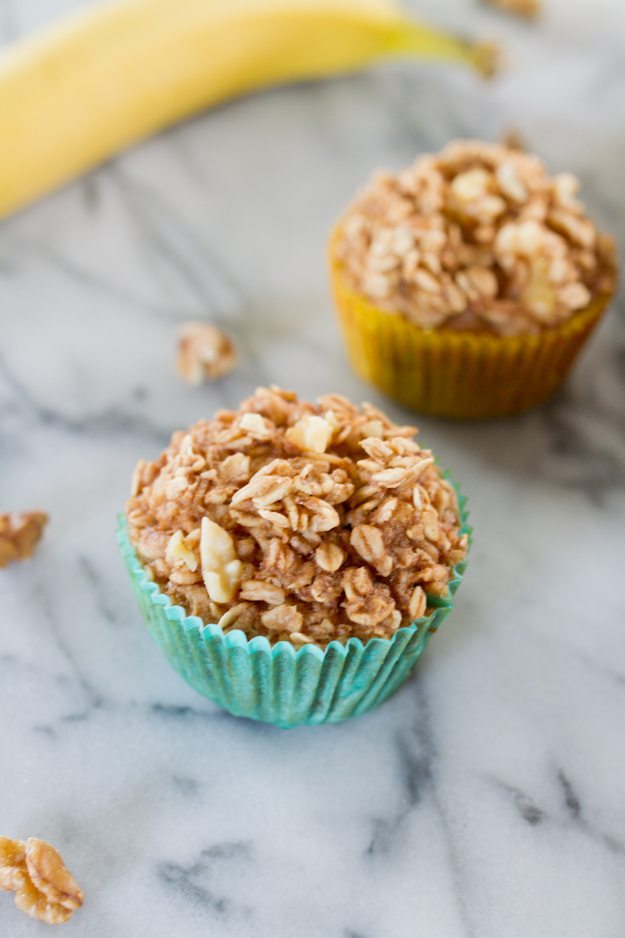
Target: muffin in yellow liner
[
  {"x": 453, "y": 374},
  {"x": 472, "y": 353}
]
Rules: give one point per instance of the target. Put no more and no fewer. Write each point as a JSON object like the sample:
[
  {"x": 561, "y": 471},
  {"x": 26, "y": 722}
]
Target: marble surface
[{"x": 485, "y": 800}]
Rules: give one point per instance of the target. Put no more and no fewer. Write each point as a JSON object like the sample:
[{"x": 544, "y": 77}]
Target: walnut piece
[
  {"x": 44, "y": 888},
  {"x": 205, "y": 353},
  {"x": 12, "y": 860},
  {"x": 310, "y": 434},
  {"x": 479, "y": 238},
  {"x": 221, "y": 569},
  {"x": 20, "y": 533},
  {"x": 299, "y": 522},
  {"x": 180, "y": 549}
]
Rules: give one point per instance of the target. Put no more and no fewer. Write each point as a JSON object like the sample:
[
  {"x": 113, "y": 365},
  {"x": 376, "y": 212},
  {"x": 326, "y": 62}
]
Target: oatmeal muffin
[
  {"x": 292, "y": 527},
  {"x": 467, "y": 283}
]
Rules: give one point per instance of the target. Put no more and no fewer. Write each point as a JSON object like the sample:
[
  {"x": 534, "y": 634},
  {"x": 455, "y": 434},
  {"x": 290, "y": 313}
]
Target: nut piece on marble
[
  {"x": 205, "y": 353},
  {"x": 20, "y": 532},
  {"x": 44, "y": 888},
  {"x": 12, "y": 860}
]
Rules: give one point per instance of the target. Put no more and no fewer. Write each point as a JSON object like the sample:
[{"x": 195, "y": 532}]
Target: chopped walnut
[
  {"x": 205, "y": 353},
  {"x": 221, "y": 568},
  {"x": 44, "y": 888},
  {"x": 180, "y": 550},
  {"x": 12, "y": 860},
  {"x": 19, "y": 535},
  {"x": 479, "y": 238},
  {"x": 311, "y": 433},
  {"x": 299, "y": 522}
]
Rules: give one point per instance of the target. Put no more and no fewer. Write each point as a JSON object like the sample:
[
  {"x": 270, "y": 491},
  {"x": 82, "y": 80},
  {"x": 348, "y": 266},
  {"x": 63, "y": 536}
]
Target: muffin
[
  {"x": 293, "y": 559},
  {"x": 467, "y": 284}
]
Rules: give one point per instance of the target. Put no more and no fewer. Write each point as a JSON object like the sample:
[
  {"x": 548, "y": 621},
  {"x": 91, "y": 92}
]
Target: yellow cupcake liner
[{"x": 459, "y": 375}]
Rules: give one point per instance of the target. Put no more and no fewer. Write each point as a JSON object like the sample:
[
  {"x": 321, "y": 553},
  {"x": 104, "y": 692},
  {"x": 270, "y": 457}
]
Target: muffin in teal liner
[{"x": 292, "y": 560}]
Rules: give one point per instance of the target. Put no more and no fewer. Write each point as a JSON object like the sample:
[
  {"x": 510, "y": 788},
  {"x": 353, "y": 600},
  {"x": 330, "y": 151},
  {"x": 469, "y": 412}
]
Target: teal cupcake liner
[{"x": 277, "y": 683}]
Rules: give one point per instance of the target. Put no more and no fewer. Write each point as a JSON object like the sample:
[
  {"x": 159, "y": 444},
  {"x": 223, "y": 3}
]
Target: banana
[{"x": 111, "y": 75}]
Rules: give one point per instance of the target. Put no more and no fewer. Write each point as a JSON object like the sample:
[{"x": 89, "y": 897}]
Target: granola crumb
[
  {"x": 300, "y": 522},
  {"x": 205, "y": 353},
  {"x": 20, "y": 532},
  {"x": 43, "y": 886},
  {"x": 479, "y": 238}
]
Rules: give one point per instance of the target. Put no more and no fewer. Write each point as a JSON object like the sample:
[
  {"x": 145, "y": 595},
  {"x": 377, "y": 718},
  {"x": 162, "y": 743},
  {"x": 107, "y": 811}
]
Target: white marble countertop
[{"x": 486, "y": 799}]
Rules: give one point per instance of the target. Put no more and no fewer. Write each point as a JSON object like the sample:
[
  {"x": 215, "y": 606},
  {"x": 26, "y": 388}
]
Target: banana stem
[{"x": 409, "y": 37}]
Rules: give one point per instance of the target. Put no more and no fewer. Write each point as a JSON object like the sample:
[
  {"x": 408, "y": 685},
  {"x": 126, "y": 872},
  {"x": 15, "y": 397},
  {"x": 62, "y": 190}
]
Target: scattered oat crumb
[
  {"x": 527, "y": 9},
  {"x": 43, "y": 886},
  {"x": 205, "y": 353},
  {"x": 20, "y": 533}
]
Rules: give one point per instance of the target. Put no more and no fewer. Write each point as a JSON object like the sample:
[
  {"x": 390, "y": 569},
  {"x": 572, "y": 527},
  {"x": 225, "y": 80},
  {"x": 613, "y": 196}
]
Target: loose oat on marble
[
  {"x": 20, "y": 532},
  {"x": 205, "y": 353},
  {"x": 43, "y": 886},
  {"x": 297, "y": 521},
  {"x": 479, "y": 238}
]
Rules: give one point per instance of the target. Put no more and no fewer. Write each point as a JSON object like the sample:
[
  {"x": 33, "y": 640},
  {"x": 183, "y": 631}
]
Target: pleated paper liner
[
  {"x": 277, "y": 683},
  {"x": 453, "y": 374}
]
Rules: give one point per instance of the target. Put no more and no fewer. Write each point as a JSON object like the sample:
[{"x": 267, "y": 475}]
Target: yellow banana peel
[{"x": 103, "y": 79}]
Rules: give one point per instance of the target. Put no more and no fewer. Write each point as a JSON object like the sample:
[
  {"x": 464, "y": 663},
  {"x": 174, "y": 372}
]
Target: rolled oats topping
[
  {"x": 479, "y": 238},
  {"x": 300, "y": 522}
]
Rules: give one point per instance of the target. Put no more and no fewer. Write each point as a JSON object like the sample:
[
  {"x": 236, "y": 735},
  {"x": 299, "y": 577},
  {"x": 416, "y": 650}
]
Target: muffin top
[
  {"x": 478, "y": 238},
  {"x": 301, "y": 522}
]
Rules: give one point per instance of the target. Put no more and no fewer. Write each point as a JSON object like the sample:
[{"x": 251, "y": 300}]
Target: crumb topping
[
  {"x": 479, "y": 238},
  {"x": 301, "y": 522}
]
